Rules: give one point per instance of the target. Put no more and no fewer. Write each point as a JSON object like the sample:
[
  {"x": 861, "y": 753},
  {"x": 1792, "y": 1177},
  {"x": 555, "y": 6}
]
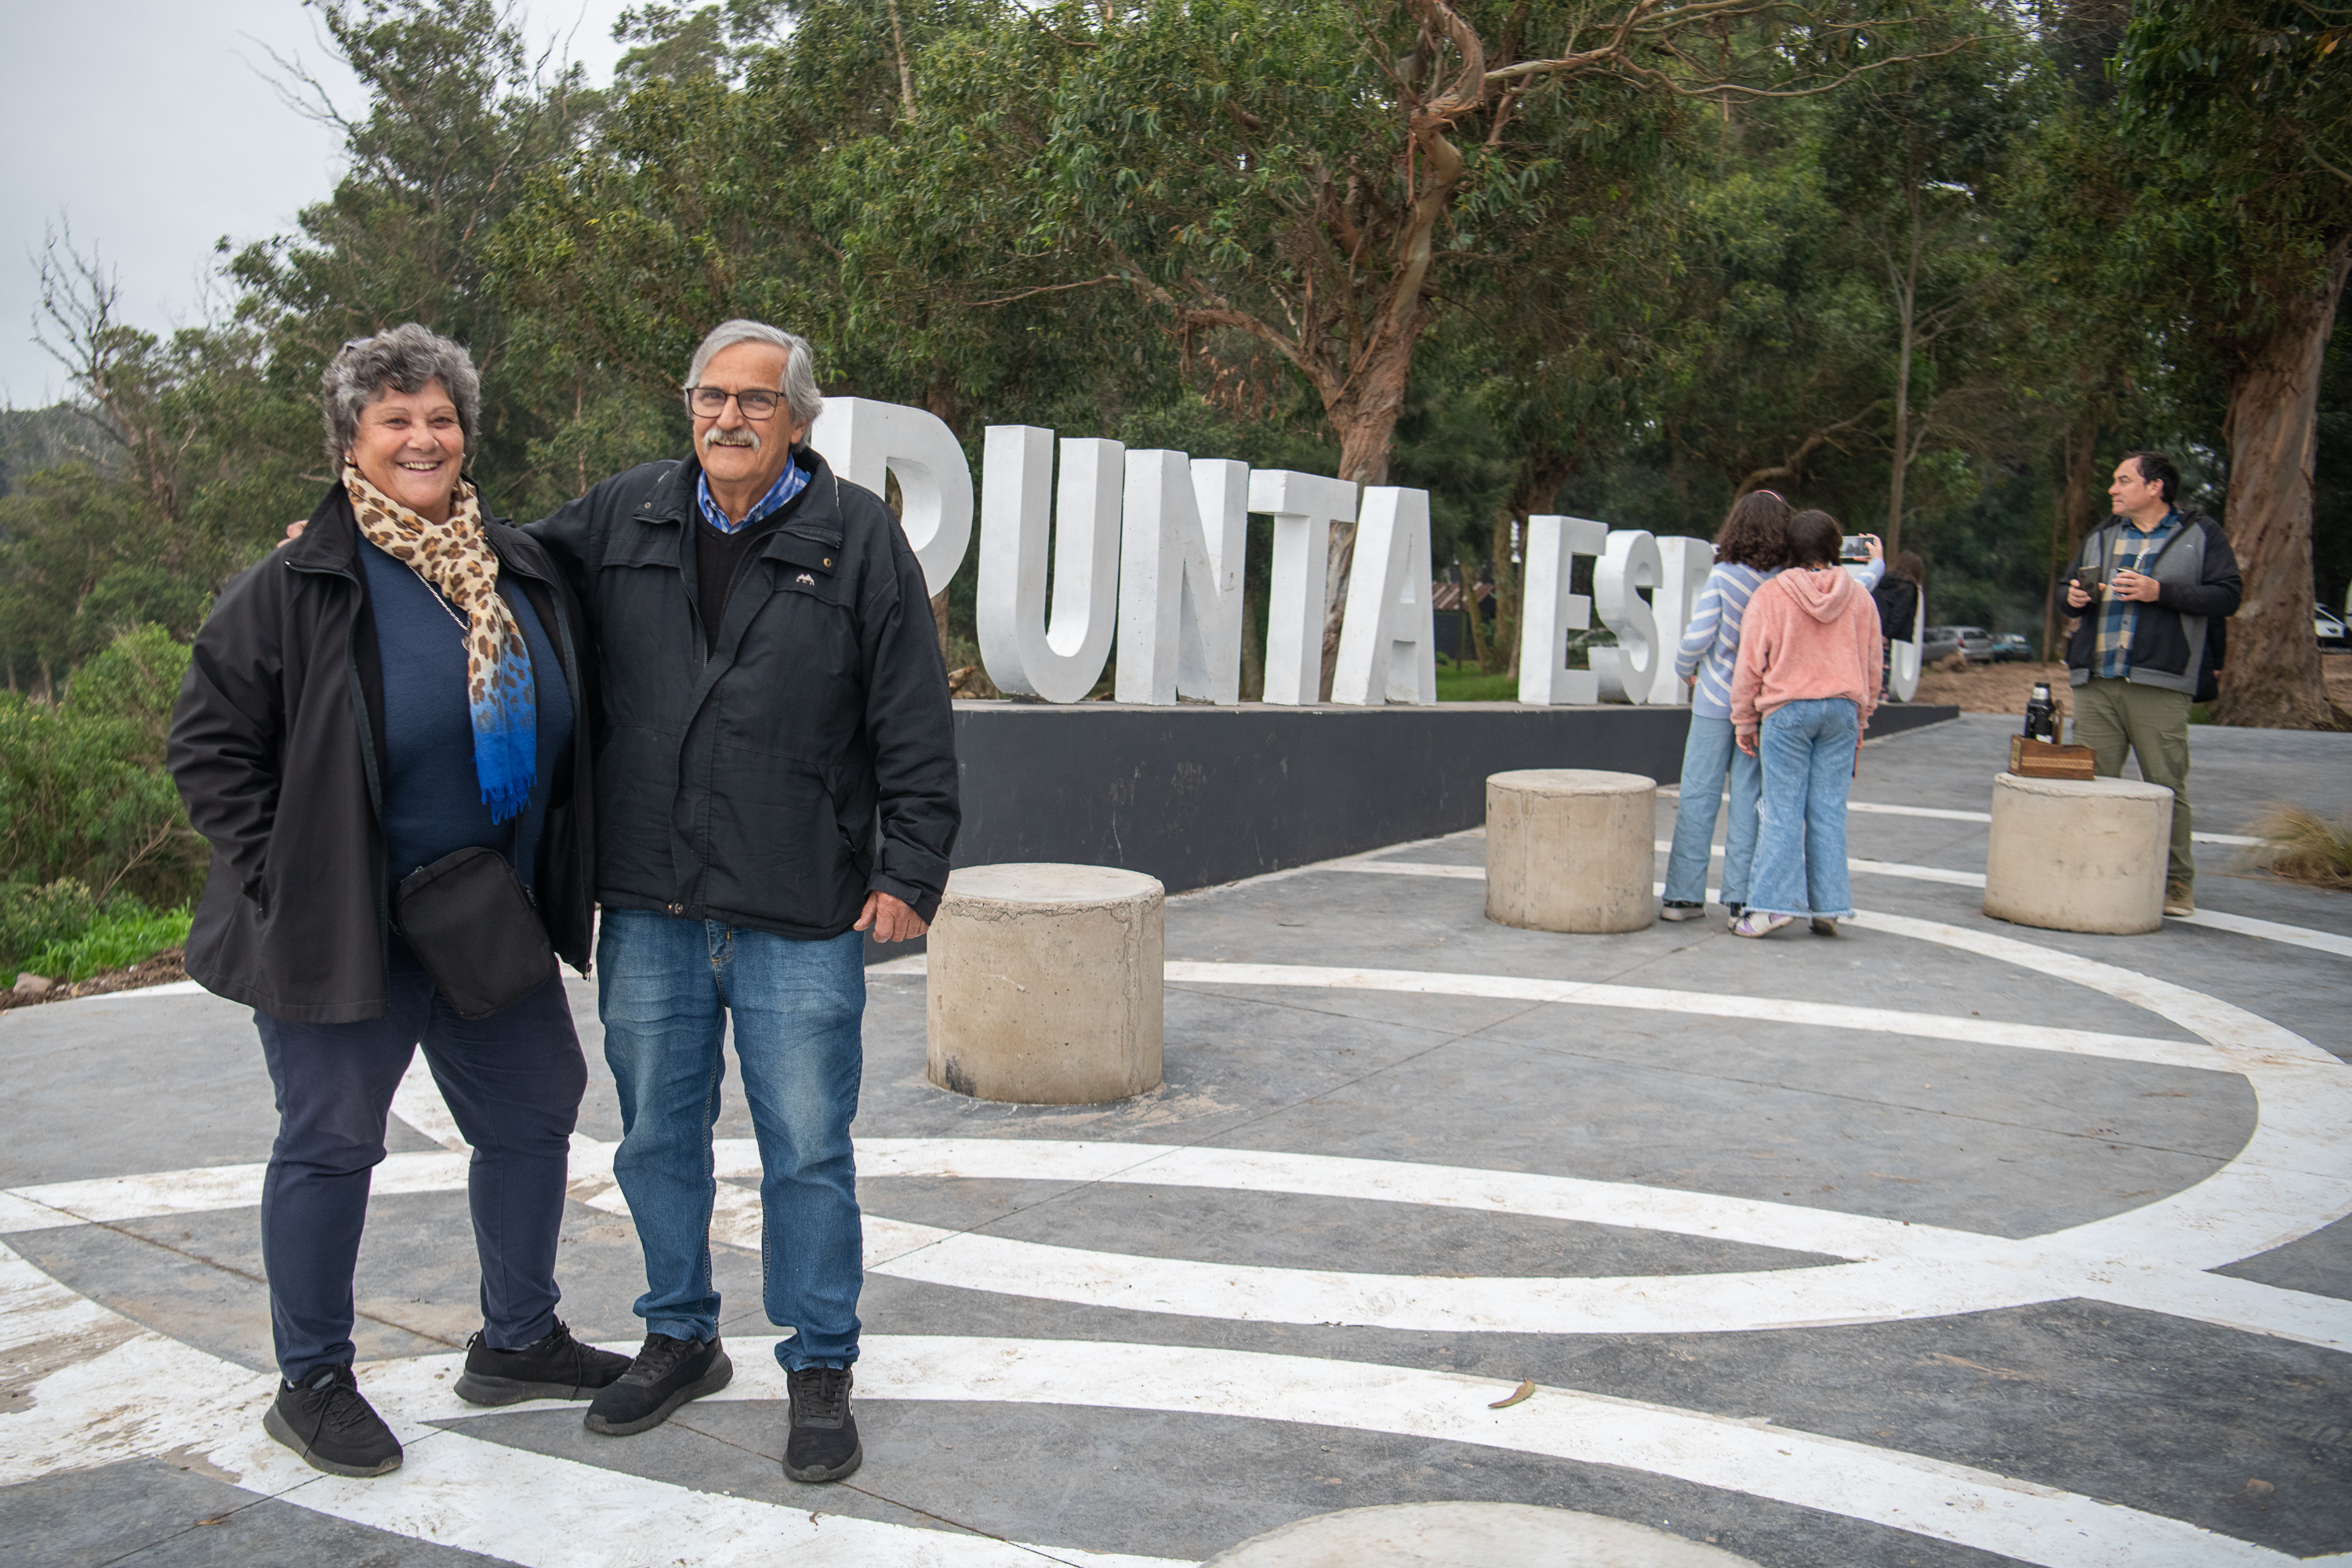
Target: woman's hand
[
  {"x": 1746, "y": 739},
  {"x": 1877, "y": 546}
]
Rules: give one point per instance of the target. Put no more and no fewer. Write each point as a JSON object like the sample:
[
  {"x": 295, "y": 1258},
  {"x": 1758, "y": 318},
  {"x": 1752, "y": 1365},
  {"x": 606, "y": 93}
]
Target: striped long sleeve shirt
[{"x": 1710, "y": 647}]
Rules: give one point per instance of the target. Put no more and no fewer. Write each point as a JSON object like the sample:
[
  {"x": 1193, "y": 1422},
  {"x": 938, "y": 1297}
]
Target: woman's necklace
[{"x": 440, "y": 598}]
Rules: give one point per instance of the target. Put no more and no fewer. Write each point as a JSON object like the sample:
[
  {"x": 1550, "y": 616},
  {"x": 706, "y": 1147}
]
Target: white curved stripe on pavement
[
  {"x": 2234, "y": 841},
  {"x": 204, "y": 1413},
  {"x": 2212, "y": 920},
  {"x": 473, "y": 1495}
]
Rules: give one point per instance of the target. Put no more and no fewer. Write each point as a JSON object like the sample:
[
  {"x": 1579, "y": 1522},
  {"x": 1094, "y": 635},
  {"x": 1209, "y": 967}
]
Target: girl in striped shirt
[{"x": 1751, "y": 545}]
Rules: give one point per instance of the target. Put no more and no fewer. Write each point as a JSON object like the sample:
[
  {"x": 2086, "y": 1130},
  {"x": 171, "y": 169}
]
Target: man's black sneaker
[
  {"x": 325, "y": 1419},
  {"x": 666, "y": 1374},
  {"x": 556, "y": 1367},
  {"x": 822, "y": 1444},
  {"x": 1680, "y": 909}
]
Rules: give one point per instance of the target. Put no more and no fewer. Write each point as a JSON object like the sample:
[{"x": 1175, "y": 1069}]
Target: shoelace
[
  {"x": 820, "y": 1394},
  {"x": 659, "y": 1355},
  {"x": 342, "y": 1409}
]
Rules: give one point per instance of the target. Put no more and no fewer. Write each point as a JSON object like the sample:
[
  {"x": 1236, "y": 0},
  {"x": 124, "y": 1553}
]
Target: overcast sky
[{"x": 146, "y": 126}]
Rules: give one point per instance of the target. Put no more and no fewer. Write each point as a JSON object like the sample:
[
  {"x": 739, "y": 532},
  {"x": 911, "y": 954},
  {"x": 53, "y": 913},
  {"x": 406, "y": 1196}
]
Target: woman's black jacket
[{"x": 280, "y": 773}]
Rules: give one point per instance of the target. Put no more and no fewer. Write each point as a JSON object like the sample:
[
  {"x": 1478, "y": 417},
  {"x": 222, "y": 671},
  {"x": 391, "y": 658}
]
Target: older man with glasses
[{"x": 775, "y": 777}]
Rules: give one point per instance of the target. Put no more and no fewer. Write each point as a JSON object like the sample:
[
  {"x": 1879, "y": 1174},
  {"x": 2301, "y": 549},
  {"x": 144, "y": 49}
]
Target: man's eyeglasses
[{"x": 711, "y": 402}]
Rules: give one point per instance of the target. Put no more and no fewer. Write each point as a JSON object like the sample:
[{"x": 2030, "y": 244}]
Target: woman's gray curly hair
[{"x": 403, "y": 359}]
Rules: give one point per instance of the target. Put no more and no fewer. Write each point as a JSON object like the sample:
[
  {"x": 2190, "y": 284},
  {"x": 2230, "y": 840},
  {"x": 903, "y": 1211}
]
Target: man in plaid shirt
[{"x": 2151, "y": 589}]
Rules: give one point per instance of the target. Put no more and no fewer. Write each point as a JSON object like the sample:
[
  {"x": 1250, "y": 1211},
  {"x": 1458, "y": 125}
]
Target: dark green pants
[{"x": 2112, "y": 717}]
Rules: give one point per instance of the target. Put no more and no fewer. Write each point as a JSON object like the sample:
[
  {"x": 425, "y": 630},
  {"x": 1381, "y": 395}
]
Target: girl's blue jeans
[
  {"x": 1807, "y": 749},
  {"x": 1707, "y": 755}
]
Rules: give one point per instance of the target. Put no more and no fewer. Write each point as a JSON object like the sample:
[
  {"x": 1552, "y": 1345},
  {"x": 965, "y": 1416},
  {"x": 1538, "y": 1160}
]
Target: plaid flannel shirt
[
  {"x": 2111, "y": 633},
  {"x": 789, "y": 483}
]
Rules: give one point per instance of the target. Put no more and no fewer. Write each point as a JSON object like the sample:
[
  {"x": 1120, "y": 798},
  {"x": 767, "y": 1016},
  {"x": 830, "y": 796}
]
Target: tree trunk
[
  {"x": 1470, "y": 615},
  {"x": 2073, "y": 522},
  {"x": 2272, "y": 680},
  {"x": 1364, "y": 417},
  {"x": 1906, "y": 316}
]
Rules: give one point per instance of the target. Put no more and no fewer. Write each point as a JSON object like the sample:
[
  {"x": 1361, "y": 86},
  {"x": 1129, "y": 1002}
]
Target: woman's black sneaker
[
  {"x": 823, "y": 1443},
  {"x": 666, "y": 1374},
  {"x": 1681, "y": 910},
  {"x": 556, "y": 1367},
  {"x": 325, "y": 1419}
]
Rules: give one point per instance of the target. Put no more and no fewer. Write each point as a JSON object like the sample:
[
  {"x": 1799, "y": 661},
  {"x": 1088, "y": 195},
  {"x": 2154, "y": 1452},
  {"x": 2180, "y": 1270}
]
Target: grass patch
[
  {"x": 1470, "y": 684},
  {"x": 125, "y": 932},
  {"x": 2304, "y": 846}
]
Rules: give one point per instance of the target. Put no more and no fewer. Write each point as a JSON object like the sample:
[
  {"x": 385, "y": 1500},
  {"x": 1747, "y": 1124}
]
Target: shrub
[
  {"x": 124, "y": 934},
  {"x": 34, "y": 918},
  {"x": 83, "y": 793}
]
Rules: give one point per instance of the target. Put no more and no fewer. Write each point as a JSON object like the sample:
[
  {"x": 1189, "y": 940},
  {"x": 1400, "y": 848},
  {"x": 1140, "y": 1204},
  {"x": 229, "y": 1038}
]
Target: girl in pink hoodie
[{"x": 1805, "y": 686}]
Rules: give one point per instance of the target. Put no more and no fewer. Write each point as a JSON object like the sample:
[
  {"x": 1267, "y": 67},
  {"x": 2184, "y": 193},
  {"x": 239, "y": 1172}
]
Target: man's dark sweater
[{"x": 718, "y": 557}]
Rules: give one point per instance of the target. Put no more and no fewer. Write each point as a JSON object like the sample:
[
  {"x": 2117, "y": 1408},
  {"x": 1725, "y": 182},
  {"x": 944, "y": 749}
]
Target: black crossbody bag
[{"x": 473, "y": 926}]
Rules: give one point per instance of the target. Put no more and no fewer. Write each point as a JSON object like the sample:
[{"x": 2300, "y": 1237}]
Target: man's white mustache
[{"x": 714, "y": 436}]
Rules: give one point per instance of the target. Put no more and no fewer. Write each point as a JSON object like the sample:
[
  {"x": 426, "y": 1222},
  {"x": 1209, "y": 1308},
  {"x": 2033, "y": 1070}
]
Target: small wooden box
[{"x": 2030, "y": 759}]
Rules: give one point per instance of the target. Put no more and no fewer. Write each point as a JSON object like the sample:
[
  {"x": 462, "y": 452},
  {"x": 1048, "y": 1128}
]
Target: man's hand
[
  {"x": 889, "y": 918},
  {"x": 294, "y": 529},
  {"x": 1746, "y": 739},
  {"x": 2076, "y": 599},
  {"x": 2134, "y": 586}
]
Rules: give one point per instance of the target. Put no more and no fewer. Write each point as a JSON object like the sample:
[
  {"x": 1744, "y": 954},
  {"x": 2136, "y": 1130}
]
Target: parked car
[
  {"x": 2012, "y": 647},
  {"x": 1944, "y": 641},
  {"x": 2329, "y": 628}
]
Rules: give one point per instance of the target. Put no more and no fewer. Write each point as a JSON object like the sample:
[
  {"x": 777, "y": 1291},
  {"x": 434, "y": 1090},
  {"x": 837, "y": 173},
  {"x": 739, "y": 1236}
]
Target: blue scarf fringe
[{"x": 506, "y": 735}]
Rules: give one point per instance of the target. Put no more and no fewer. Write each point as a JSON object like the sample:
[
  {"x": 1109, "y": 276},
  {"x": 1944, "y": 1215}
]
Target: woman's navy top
[{"x": 432, "y": 799}]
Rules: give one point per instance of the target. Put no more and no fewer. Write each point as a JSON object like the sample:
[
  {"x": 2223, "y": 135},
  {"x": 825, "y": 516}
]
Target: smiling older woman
[{"x": 377, "y": 735}]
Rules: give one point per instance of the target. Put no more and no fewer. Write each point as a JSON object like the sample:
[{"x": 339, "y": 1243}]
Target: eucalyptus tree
[
  {"x": 2243, "y": 112},
  {"x": 1914, "y": 156},
  {"x": 1326, "y": 178}
]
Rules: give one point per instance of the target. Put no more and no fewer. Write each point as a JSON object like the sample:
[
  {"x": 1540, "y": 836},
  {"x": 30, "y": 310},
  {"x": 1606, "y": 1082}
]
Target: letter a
[{"x": 1388, "y": 643}]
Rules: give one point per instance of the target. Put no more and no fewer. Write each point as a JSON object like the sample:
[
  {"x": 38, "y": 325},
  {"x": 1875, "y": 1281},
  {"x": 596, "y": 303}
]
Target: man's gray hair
[
  {"x": 407, "y": 358},
  {"x": 801, "y": 395}
]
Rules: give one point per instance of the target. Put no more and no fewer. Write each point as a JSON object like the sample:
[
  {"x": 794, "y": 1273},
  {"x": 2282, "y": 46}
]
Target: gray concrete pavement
[{"x": 1814, "y": 1289}]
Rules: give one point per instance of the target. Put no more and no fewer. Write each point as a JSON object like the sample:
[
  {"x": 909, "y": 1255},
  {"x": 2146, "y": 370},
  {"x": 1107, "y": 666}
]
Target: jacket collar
[{"x": 816, "y": 511}]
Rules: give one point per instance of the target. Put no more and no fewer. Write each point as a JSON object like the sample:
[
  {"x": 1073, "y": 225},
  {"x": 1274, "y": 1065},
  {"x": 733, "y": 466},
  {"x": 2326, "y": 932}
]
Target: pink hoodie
[{"x": 1807, "y": 634}]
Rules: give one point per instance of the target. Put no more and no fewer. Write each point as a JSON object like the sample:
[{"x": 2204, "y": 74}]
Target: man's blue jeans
[
  {"x": 1709, "y": 753},
  {"x": 1808, "y": 751},
  {"x": 668, "y": 986}
]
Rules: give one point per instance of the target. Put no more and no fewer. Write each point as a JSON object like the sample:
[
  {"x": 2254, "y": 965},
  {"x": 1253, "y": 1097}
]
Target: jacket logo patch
[{"x": 805, "y": 577}]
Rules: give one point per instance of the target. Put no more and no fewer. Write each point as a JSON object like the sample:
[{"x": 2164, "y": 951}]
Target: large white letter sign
[
  {"x": 1304, "y": 506},
  {"x": 1179, "y": 574},
  {"x": 1388, "y": 641},
  {"x": 866, "y": 441},
  {"x": 1630, "y": 564},
  {"x": 1682, "y": 566},
  {"x": 1024, "y": 654},
  {"x": 1554, "y": 610}
]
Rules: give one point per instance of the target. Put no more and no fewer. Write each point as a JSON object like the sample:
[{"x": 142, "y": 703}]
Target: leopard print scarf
[{"x": 455, "y": 557}]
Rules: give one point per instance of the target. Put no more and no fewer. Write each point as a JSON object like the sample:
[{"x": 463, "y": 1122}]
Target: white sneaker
[{"x": 1755, "y": 923}]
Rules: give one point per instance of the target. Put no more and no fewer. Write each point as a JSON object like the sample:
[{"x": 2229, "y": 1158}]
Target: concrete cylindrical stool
[
  {"x": 1569, "y": 850},
  {"x": 1043, "y": 983},
  {"x": 2078, "y": 854}
]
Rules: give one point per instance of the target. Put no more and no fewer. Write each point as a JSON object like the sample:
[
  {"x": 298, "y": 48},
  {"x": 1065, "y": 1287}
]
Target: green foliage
[
  {"x": 83, "y": 793},
  {"x": 35, "y": 917},
  {"x": 122, "y": 935}
]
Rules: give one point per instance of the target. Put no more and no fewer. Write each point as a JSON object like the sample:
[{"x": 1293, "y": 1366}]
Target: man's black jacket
[
  {"x": 280, "y": 773},
  {"x": 808, "y": 758}
]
